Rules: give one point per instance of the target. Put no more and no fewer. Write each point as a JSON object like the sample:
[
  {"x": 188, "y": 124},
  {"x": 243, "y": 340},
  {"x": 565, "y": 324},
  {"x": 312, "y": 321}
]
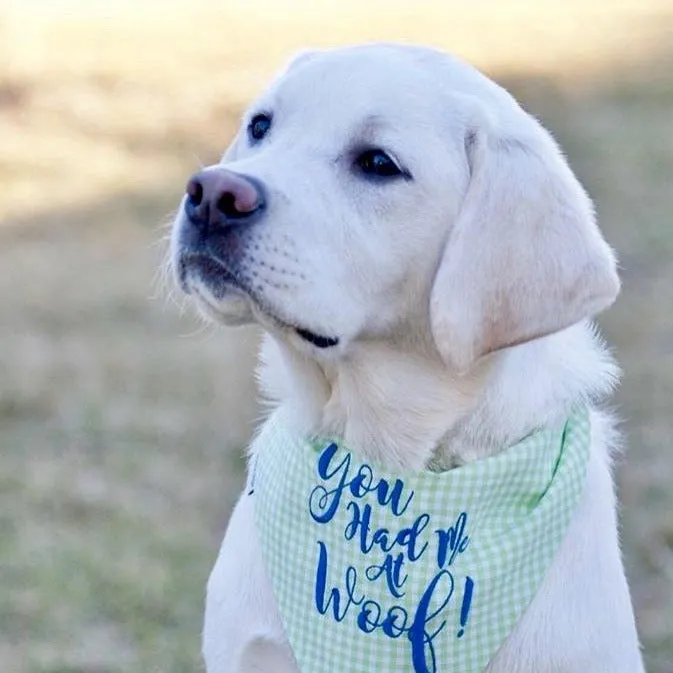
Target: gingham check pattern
[{"x": 519, "y": 504}]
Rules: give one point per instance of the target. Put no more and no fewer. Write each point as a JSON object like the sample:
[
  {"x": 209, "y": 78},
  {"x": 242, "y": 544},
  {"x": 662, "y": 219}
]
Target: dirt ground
[{"x": 122, "y": 418}]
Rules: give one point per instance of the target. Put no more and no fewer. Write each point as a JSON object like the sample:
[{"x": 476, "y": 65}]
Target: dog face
[{"x": 380, "y": 188}]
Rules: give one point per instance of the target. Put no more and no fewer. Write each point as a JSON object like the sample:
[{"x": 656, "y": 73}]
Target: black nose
[{"x": 217, "y": 197}]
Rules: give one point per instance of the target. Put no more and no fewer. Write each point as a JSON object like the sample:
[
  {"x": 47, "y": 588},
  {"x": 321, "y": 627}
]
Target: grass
[{"x": 122, "y": 420}]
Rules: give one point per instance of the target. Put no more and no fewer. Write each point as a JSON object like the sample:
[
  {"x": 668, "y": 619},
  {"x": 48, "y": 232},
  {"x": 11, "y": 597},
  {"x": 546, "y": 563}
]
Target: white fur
[{"x": 461, "y": 301}]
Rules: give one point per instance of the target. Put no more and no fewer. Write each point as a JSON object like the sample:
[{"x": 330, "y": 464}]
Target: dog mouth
[
  {"x": 220, "y": 282},
  {"x": 317, "y": 340}
]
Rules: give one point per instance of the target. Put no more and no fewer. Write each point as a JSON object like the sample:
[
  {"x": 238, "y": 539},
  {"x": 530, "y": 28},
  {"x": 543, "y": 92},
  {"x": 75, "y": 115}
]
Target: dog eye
[
  {"x": 259, "y": 126},
  {"x": 377, "y": 162}
]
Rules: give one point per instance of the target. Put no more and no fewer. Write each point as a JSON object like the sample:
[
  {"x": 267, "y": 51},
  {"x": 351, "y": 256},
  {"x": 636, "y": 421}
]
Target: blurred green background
[{"x": 122, "y": 419}]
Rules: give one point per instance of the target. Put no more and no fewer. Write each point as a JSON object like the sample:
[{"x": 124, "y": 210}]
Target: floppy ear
[{"x": 525, "y": 257}]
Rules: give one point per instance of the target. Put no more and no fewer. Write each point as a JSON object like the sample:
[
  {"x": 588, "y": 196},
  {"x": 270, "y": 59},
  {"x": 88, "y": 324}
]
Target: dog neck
[{"x": 404, "y": 409}]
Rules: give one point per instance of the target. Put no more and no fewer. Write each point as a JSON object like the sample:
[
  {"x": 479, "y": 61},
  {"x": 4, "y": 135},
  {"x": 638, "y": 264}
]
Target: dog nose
[{"x": 218, "y": 197}]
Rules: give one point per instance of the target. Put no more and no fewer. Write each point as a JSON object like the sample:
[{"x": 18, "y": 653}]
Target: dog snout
[{"x": 217, "y": 197}]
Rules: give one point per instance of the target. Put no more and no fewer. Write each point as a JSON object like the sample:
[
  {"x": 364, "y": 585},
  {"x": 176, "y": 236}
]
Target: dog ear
[{"x": 525, "y": 257}]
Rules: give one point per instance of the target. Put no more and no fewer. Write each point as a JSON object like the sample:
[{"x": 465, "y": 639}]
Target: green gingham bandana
[{"x": 426, "y": 572}]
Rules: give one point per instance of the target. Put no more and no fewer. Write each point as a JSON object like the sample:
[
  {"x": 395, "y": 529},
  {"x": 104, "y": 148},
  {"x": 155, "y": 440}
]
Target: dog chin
[
  {"x": 230, "y": 305},
  {"x": 233, "y": 308}
]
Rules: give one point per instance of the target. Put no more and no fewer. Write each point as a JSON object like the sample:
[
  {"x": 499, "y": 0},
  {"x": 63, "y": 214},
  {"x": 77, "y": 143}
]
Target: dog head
[{"x": 379, "y": 188}]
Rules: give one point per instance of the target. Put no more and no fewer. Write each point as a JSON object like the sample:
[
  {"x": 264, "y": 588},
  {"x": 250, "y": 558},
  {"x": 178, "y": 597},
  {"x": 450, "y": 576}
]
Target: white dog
[{"x": 424, "y": 263}]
